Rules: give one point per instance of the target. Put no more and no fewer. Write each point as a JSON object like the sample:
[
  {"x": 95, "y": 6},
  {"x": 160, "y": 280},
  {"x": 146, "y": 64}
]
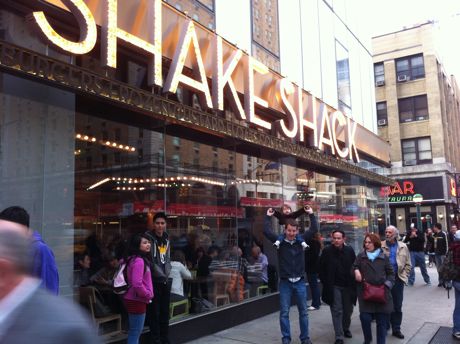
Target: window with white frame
[
  {"x": 382, "y": 115},
  {"x": 416, "y": 151},
  {"x": 379, "y": 74}
]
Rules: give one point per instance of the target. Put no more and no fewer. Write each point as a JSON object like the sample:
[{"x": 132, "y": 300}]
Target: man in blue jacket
[
  {"x": 291, "y": 261},
  {"x": 43, "y": 264}
]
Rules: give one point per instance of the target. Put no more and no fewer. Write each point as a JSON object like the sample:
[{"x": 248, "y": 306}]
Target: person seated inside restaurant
[
  {"x": 82, "y": 270},
  {"x": 104, "y": 276},
  {"x": 179, "y": 272}
]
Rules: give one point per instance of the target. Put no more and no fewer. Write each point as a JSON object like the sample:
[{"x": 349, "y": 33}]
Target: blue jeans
[
  {"x": 439, "y": 259},
  {"x": 456, "y": 315},
  {"x": 314, "y": 288},
  {"x": 418, "y": 258},
  {"x": 136, "y": 325},
  {"x": 287, "y": 289},
  {"x": 397, "y": 292},
  {"x": 381, "y": 320}
]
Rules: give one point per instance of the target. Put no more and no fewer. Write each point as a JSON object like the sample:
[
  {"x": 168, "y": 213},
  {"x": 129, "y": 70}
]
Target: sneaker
[
  {"x": 311, "y": 308},
  {"x": 276, "y": 244},
  {"x": 456, "y": 335},
  {"x": 410, "y": 284},
  {"x": 428, "y": 283}
]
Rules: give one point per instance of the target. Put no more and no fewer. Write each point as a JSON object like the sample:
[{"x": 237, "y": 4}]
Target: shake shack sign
[
  {"x": 212, "y": 68},
  {"x": 404, "y": 189}
]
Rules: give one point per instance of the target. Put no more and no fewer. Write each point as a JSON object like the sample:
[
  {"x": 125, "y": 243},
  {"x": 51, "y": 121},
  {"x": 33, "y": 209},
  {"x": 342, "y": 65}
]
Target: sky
[{"x": 395, "y": 14}]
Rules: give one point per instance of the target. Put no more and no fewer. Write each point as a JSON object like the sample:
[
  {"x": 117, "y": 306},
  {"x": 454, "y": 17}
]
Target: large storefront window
[{"x": 90, "y": 181}]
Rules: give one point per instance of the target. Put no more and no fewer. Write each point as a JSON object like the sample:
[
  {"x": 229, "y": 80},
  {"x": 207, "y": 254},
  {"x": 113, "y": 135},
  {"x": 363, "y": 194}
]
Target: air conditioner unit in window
[
  {"x": 410, "y": 162},
  {"x": 380, "y": 83},
  {"x": 382, "y": 122},
  {"x": 402, "y": 78}
]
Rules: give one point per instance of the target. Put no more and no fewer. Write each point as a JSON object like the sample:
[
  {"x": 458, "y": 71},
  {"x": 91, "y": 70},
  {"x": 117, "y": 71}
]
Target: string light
[{"x": 110, "y": 144}]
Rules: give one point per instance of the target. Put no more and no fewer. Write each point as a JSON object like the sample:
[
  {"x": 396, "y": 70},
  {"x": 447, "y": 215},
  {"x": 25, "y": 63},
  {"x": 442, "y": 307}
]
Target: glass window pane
[
  {"x": 424, "y": 144},
  {"x": 417, "y": 61},
  {"x": 343, "y": 75},
  {"x": 425, "y": 155},
  {"x": 402, "y": 65}
]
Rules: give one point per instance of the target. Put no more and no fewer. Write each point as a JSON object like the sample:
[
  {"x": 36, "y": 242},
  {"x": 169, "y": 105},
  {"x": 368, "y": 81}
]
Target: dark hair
[
  {"x": 338, "y": 231},
  {"x": 16, "y": 214},
  {"x": 135, "y": 244},
  {"x": 438, "y": 225},
  {"x": 374, "y": 238},
  {"x": 178, "y": 256},
  {"x": 291, "y": 222},
  {"x": 160, "y": 215}
]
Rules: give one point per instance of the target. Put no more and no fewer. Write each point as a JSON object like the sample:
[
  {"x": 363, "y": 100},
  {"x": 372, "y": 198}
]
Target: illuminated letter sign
[
  {"x": 110, "y": 33},
  {"x": 85, "y": 19},
  {"x": 188, "y": 37},
  {"x": 304, "y": 118}
]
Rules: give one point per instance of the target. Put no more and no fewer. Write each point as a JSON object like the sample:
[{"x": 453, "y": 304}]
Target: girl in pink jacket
[{"x": 140, "y": 292}]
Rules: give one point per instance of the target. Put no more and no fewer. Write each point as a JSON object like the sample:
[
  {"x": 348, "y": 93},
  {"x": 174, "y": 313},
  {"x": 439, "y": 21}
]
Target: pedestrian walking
[
  {"x": 140, "y": 292},
  {"x": 44, "y": 265},
  {"x": 375, "y": 277},
  {"x": 399, "y": 256},
  {"x": 291, "y": 262},
  {"x": 339, "y": 287},
  {"x": 28, "y": 313},
  {"x": 440, "y": 249},
  {"x": 415, "y": 239},
  {"x": 450, "y": 271}
]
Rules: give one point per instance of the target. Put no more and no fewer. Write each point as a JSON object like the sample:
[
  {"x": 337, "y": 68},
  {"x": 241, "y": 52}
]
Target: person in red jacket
[{"x": 140, "y": 292}]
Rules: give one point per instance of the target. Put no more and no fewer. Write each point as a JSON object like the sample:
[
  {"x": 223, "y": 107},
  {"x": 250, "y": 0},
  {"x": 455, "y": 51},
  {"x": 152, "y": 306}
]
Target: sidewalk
[{"x": 425, "y": 310}]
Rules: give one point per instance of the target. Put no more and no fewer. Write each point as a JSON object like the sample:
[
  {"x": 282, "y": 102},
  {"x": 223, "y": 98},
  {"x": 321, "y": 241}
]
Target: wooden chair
[
  {"x": 88, "y": 299},
  {"x": 220, "y": 296},
  {"x": 178, "y": 305},
  {"x": 263, "y": 289}
]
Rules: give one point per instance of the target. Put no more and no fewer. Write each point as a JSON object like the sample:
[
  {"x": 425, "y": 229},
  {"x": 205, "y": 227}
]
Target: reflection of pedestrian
[
  {"x": 291, "y": 262},
  {"x": 374, "y": 267},
  {"x": 32, "y": 314},
  {"x": 44, "y": 264}
]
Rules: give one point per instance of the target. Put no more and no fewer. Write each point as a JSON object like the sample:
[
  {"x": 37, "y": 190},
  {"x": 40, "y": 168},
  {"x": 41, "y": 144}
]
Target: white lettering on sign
[{"x": 307, "y": 119}]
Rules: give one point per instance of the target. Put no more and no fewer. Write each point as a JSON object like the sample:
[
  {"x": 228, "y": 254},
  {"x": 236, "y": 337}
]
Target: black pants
[{"x": 158, "y": 312}]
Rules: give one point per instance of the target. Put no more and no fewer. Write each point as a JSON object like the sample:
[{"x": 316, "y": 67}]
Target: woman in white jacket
[{"x": 179, "y": 272}]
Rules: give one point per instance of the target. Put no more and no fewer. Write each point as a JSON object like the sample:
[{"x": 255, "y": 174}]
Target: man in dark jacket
[
  {"x": 158, "y": 309},
  {"x": 440, "y": 249},
  {"x": 416, "y": 242},
  {"x": 291, "y": 262},
  {"x": 339, "y": 288},
  {"x": 44, "y": 264}
]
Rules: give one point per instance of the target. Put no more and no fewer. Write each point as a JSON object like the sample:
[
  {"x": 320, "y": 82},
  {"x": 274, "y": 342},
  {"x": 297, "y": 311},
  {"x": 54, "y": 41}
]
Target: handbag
[{"x": 374, "y": 293}]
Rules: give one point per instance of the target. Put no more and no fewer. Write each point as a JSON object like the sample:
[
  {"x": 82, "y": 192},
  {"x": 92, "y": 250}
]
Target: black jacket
[
  {"x": 415, "y": 244},
  {"x": 161, "y": 263},
  {"x": 291, "y": 258},
  {"x": 330, "y": 258},
  {"x": 440, "y": 243},
  {"x": 312, "y": 257}
]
